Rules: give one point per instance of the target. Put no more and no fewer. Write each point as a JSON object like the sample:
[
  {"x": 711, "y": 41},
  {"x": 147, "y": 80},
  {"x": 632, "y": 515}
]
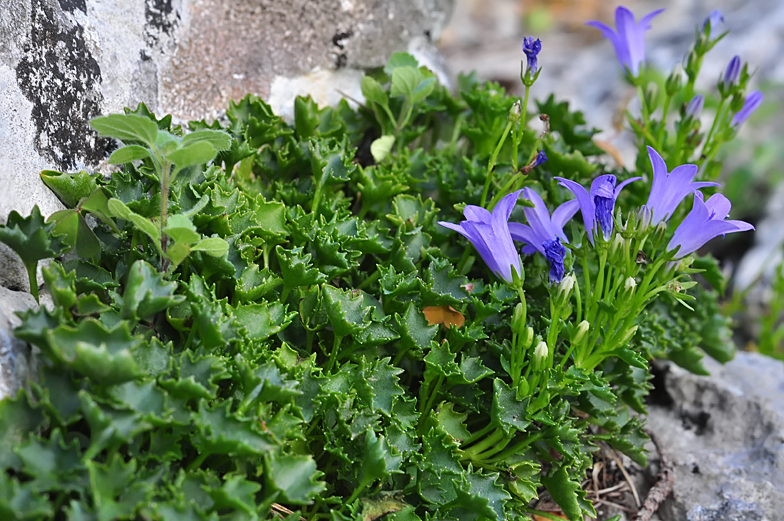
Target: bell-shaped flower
[
  {"x": 670, "y": 188},
  {"x": 597, "y": 206},
  {"x": 544, "y": 233},
  {"x": 532, "y": 48},
  {"x": 629, "y": 37},
  {"x": 489, "y": 233},
  {"x": 707, "y": 219}
]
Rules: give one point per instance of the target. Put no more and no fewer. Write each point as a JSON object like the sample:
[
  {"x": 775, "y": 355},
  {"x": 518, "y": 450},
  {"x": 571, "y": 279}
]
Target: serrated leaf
[
  {"x": 564, "y": 492},
  {"x": 70, "y": 188},
  {"x": 295, "y": 476},
  {"x": 346, "y": 310},
  {"x": 221, "y": 432},
  {"x": 415, "y": 332},
  {"x": 127, "y": 128},
  {"x": 263, "y": 320},
  {"x": 297, "y": 268},
  {"x": 146, "y": 293},
  {"x": 18, "y": 420},
  {"x": 508, "y": 412},
  {"x": 254, "y": 284}
]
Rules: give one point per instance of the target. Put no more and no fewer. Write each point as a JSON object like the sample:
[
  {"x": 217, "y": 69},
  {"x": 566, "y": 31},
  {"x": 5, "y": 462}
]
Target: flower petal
[{"x": 587, "y": 207}]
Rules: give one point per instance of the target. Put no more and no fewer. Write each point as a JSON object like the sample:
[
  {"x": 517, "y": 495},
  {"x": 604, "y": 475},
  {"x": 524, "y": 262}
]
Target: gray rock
[
  {"x": 17, "y": 362},
  {"x": 63, "y": 62},
  {"x": 724, "y": 435}
]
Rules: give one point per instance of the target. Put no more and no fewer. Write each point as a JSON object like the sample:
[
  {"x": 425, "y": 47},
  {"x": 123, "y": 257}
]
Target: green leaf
[
  {"x": 120, "y": 210},
  {"x": 346, "y": 310},
  {"x": 452, "y": 422},
  {"x": 181, "y": 229},
  {"x": 415, "y": 332},
  {"x": 70, "y": 188},
  {"x": 52, "y": 463},
  {"x": 381, "y": 147},
  {"x": 193, "y": 154},
  {"x": 214, "y": 246},
  {"x": 373, "y": 91},
  {"x": 219, "y": 140},
  {"x": 196, "y": 376},
  {"x": 297, "y": 268},
  {"x": 236, "y": 492},
  {"x": 565, "y": 492},
  {"x": 254, "y": 284},
  {"x": 222, "y": 432},
  {"x": 146, "y": 292},
  {"x": 61, "y": 285},
  {"x": 400, "y": 59},
  {"x": 18, "y": 421},
  {"x": 21, "y": 502},
  {"x": 263, "y": 320},
  {"x": 127, "y": 128},
  {"x": 31, "y": 238},
  {"x": 508, "y": 412},
  {"x": 128, "y": 154},
  {"x": 295, "y": 476}
]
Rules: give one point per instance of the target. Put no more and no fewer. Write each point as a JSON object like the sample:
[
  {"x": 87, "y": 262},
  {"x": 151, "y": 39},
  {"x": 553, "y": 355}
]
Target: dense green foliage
[{"x": 239, "y": 330}]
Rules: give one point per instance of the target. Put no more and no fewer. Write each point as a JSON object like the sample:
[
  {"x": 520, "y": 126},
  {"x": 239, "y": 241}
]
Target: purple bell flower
[
  {"x": 669, "y": 188},
  {"x": 629, "y": 37},
  {"x": 544, "y": 233},
  {"x": 489, "y": 233},
  {"x": 715, "y": 18},
  {"x": 706, "y": 220},
  {"x": 753, "y": 100},
  {"x": 597, "y": 207},
  {"x": 531, "y": 48}
]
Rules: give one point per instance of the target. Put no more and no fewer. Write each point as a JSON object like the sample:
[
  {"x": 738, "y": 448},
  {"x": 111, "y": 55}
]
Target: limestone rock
[
  {"x": 16, "y": 358},
  {"x": 725, "y": 437}
]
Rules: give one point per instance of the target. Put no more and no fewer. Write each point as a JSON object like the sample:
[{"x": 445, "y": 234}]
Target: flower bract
[
  {"x": 628, "y": 38},
  {"x": 490, "y": 235}
]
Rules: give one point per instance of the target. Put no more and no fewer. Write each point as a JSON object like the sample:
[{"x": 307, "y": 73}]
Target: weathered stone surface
[
  {"x": 725, "y": 436},
  {"x": 64, "y": 62},
  {"x": 16, "y": 359}
]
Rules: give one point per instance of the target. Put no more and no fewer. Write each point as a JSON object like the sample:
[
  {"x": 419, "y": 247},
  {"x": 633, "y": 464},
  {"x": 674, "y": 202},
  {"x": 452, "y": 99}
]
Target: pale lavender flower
[
  {"x": 531, "y": 48},
  {"x": 753, "y": 100},
  {"x": 669, "y": 188},
  {"x": 544, "y": 233},
  {"x": 597, "y": 206},
  {"x": 694, "y": 108},
  {"x": 706, "y": 220},
  {"x": 715, "y": 18},
  {"x": 489, "y": 233},
  {"x": 629, "y": 37}
]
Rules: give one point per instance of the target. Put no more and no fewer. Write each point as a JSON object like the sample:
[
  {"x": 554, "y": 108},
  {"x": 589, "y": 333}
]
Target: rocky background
[{"x": 63, "y": 62}]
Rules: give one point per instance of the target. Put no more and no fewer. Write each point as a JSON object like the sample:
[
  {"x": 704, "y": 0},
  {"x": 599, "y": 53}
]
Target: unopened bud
[
  {"x": 528, "y": 338},
  {"x": 732, "y": 72},
  {"x": 694, "y": 108},
  {"x": 629, "y": 285},
  {"x": 515, "y": 112},
  {"x": 581, "y": 332},
  {"x": 629, "y": 334},
  {"x": 690, "y": 63},
  {"x": 616, "y": 248},
  {"x": 643, "y": 219},
  {"x": 518, "y": 318},
  {"x": 651, "y": 97},
  {"x": 674, "y": 81},
  {"x": 540, "y": 355},
  {"x": 659, "y": 234},
  {"x": 564, "y": 290}
]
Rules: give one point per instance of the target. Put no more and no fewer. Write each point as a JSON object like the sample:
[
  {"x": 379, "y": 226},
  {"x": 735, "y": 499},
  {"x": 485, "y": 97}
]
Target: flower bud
[
  {"x": 694, "y": 108},
  {"x": 540, "y": 355},
  {"x": 729, "y": 82},
  {"x": 564, "y": 290},
  {"x": 518, "y": 318},
  {"x": 581, "y": 332},
  {"x": 659, "y": 234},
  {"x": 629, "y": 286},
  {"x": 651, "y": 97},
  {"x": 643, "y": 219},
  {"x": 690, "y": 62},
  {"x": 629, "y": 334},
  {"x": 674, "y": 81},
  {"x": 515, "y": 112},
  {"x": 616, "y": 248},
  {"x": 528, "y": 337}
]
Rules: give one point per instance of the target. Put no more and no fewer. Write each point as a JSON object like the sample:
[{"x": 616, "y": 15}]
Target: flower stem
[{"x": 491, "y": 164}]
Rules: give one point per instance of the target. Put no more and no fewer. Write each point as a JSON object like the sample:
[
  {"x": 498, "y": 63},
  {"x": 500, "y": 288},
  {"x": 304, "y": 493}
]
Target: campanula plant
[{"x": 274, "y": 319}]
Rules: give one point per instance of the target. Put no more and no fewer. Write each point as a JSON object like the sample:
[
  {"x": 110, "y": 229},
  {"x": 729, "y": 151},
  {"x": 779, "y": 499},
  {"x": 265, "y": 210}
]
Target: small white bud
[
  {"x": 582, "y": 330},
  {"x": 540, "y": 355}
]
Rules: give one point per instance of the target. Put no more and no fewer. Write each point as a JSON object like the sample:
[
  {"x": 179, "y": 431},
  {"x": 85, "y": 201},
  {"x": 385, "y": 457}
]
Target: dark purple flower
[
  {"x": 732, "y": 72},
  {"x": 544, "y": 233},
  {"x": 715, "y": 18},
  {"x": 541, "y": 157},
  {"x": 753, "y": 101},
  {"x": 597, "y": 206},
  {"x": 489, "y": 233},
  {"x": 706, "y": 220},
  {"x": 694, "y": 108},
  {"x": 531, "y": 48},
  {"x": 628, "y": 38},
  {"x": 669, "y": 188}
]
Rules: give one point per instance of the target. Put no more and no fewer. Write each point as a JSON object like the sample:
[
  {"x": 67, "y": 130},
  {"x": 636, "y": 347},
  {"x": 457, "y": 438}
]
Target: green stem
[
  {"x": 483, "y": 445},
  {"x": 370, "y": 280},
  {"x": 665, "y": 110},
  {"x": 32, "y": 268},
  {"x": 517, "y": 447},
  {"x": 478, "y": 434},
  {"x": 491, "y": 164},
  {"x": 719, "y": 116},
  {"x": 333, "y": 356},
  {"x": 198, "y": 461},
  {"x": 524, "y": 108}
]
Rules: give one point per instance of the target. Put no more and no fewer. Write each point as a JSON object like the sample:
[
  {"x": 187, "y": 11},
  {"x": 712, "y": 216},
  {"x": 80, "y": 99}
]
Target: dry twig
[
  {"x": 609, "y": 450},
  {"x": 661, "y": 489}
]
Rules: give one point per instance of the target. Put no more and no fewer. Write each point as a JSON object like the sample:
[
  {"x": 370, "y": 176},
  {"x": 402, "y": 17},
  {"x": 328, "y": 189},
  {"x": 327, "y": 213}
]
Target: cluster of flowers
[{"x": 493, "y": 235}]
